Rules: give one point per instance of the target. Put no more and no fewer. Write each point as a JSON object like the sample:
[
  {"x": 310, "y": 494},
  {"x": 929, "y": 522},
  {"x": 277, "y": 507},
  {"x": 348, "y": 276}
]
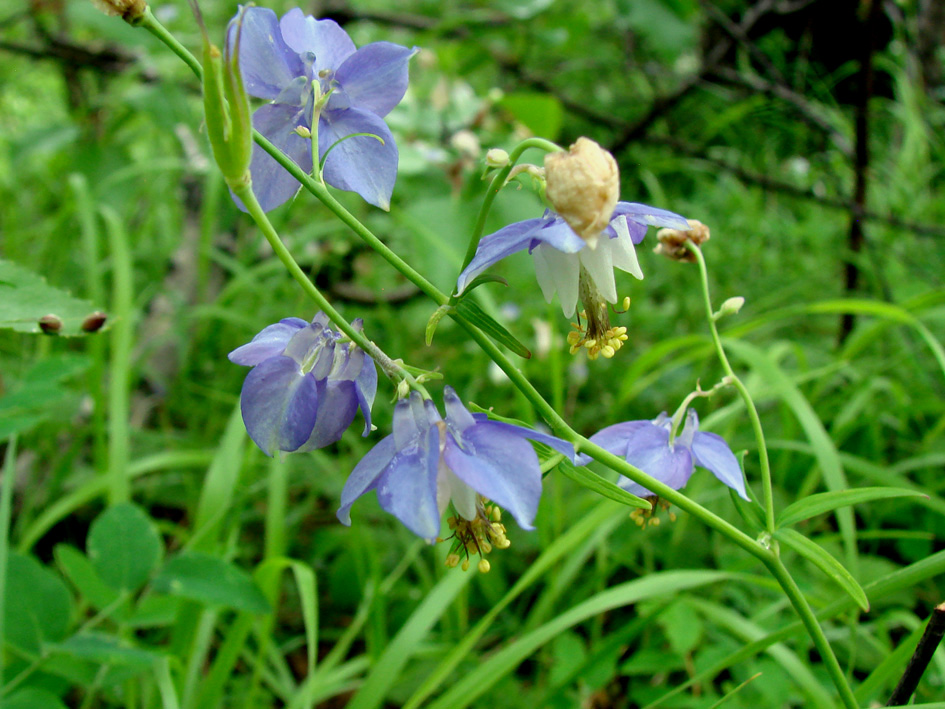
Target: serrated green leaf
[
  {"x": 124, "y": 546},
  {"x": 585, "y": 477},
  {"x": 37, "y": 605},
  {"x": 820, "y": 558},
  {"x": 470, "y": 311},
  {"x": 827, "y": 501},
  {"x": 25, "y": 297},
  {"x": 210, "y": 580}
]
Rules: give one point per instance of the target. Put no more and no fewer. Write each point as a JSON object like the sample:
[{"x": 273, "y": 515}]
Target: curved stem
[
  {"x": 151, "y": 24},
  {"x": 802, "y": 608},
  {"x": 742, "y": 390},
  {"x": 498, "y": 182},
  {"x": 393, "y": 370}
]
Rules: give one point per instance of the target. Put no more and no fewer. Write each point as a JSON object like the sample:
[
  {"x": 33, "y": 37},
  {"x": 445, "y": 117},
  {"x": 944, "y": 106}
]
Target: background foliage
[{"x": 228, "y": 581}]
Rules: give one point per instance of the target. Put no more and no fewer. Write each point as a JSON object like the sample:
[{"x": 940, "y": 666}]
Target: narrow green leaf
[
  {"x": 25, "y": 297},
  {"x": 483, "y": 278},
  {"x": 475, "y": 682},
  {"x": 124, "y": 546},
  {"x": 106, "y": 650},
  {"x": 307, "y": 586},
  {"x": 219, "y": 485},
  {"x": 470, "y": 311},
  {"x": 210, "y": 580},
  {"x": 32, "y": 698},
  {"x": 828, "y": 501},
  {"x": 402, "y": 646},
  {"x": 820, "y": 558},
  {"x": 585, "y": 477},
  {"x": 750, "y": 512}
]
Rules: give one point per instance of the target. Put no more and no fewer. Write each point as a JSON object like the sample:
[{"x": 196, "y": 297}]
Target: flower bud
[
  {"x": 496, "y": 157},
  {"x": 226, "y": 105},
  {"x": 131, "y": 11},
  {"x": 583, "y": 185},
  {"x": 673, "y": 241},
  {"x": 731, "y": 306}
]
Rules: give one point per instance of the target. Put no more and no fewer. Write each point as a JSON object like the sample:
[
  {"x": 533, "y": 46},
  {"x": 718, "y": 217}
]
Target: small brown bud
[
  {"x": 583, "y": 185},
  {"x": 94, "y": 322},
  {"x": 673, "y": 241},
  {"x": 129, "y": 10},
  {"x": 50, "y": 324}
]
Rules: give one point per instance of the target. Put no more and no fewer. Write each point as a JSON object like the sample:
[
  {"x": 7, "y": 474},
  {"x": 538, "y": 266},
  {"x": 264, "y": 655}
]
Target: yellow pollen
[
  {"x": 484, "y": 566},
  {"x": 476, "y": 537}
]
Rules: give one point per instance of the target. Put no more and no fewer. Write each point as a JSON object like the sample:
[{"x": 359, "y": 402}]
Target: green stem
[
  {"x": 742, "y": 390},
  {"x": 802, "y": 608},
  {"x": 498, "y": 182},
  {"x": 122, "y": 341},
  {"x": 321, "y": 192},
  {"x": 151, "y": 24},
  {"x": 393, "y": 370}
]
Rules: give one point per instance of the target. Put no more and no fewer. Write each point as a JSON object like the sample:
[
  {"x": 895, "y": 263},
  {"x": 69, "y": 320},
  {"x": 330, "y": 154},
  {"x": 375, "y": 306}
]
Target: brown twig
[{"x": 920, "y": 658}]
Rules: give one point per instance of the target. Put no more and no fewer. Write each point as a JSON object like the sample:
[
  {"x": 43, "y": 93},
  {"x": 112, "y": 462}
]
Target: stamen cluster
[
  {"x": 476, "y": 536},
  {"x": 597, "y": 342}
]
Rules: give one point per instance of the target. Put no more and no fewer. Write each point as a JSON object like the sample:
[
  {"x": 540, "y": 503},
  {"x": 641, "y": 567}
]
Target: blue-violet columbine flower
[
  {"x": 306, "y": 385},
  {"x": 279, "y": 61},
  {"x": 646, "y": 445},
  {"x": 427, "y": 462},
  {"x": 565, "y": 263}
]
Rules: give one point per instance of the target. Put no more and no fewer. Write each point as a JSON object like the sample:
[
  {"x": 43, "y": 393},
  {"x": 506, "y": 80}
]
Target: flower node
[{"x": 673, "y": 241}]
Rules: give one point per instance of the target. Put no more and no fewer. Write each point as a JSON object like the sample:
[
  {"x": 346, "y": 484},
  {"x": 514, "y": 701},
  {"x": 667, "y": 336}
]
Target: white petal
[
  {"x": 624, "y": 253},
  {"x": 599, "y": 263},
  {"x": 557, "y": 271},
  {"x": 462, "y": 496}
]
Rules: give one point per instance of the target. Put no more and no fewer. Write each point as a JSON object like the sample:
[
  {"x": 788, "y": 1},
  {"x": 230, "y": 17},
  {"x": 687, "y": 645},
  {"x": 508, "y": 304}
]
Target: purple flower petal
[
  {"x": 558, "y": 234},
  {"x": 330, "y": 44},
  {"x": 648, "y": 449},
  {"x": 279, "y": 404},
  {"x": 266, "y": 62},
  {"x": 457, "y": 415},
  {"x": 366, "y": 388},
  {"x": 615, "y": 438},
  {"x": 712, "y": 452},
  {"x": 498, "y": 465},
  {"x": 360, "y": 164},
  {"x": 502, "y": 428},
  {"x": 496, "y": 246},
  {"x": 337, "y": 406},
  {"x": 272, "y": 184},
  {"x": 636, "y": 230},
  {"x": 375, "y": 77},
  {"x": 407, "y": 489},
  {"x": 649, "y": 216},
  {"x": 271, "y": 341},
  {"x": 365, "y": 475}
]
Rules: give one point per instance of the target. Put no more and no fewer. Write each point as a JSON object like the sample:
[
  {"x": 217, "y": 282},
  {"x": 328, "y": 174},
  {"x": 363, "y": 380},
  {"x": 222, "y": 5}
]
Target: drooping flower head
[
  {"x": 565, "y": 263},
  {"x": 649, "y": 446},
  {"x": 279, "y": 61},
  {"x": 428, "y": 462},
  {"x": 306, "y": 385}
]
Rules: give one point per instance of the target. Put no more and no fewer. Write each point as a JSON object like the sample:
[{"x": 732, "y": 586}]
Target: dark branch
[{"x": 920, "y": 658}]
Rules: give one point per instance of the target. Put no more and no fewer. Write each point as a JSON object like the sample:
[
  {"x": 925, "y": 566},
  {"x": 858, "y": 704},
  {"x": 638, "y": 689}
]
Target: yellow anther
[
  {"x": 655, "y": 521},
  {"x": 608, "y": 351},
  {"x": 590, "y": 343},
  {"x": 452, "y": 561},
  {"x": 484, "y": 566},
  {"x": 626, "y": 303},
  {"x": 465, "y": 566}
]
